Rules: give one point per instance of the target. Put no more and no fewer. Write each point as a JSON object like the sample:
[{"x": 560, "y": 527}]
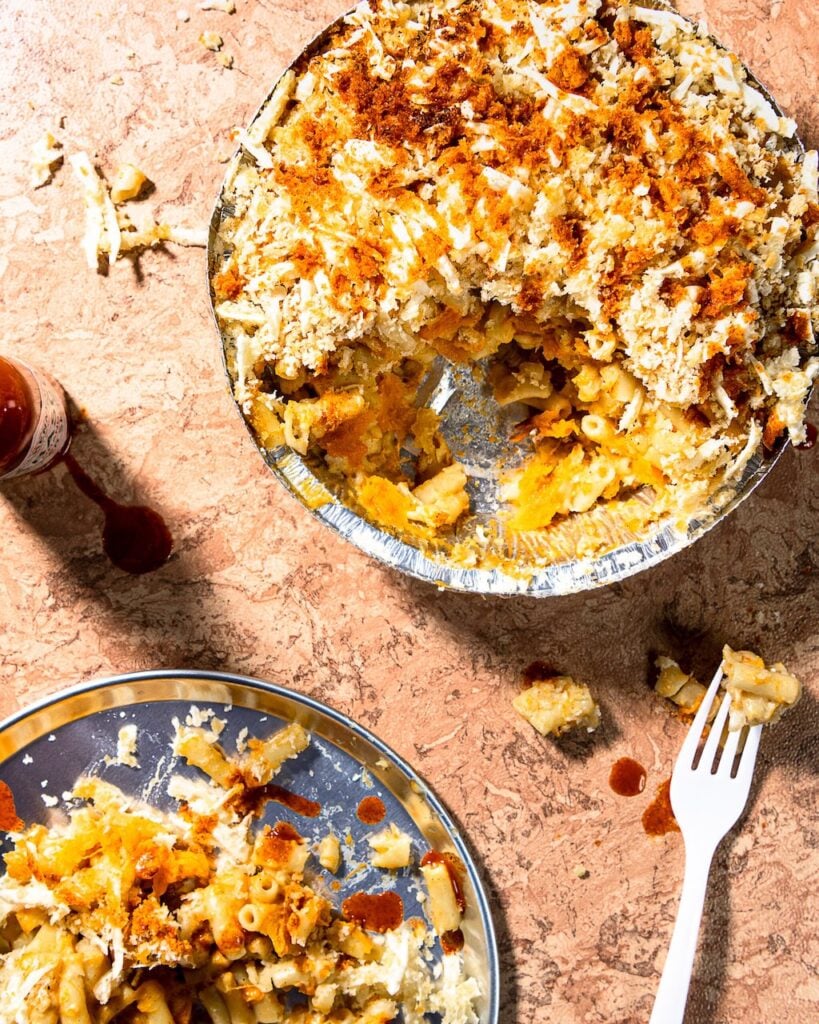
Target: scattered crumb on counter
[
  {"x": 677, "y": 686},
  {"x": 211, "y": 41},
  {"x": 554, "y": 706},
  {"x": 580, "y": 872},
  {"x": 46, "y": 154},
  {"x": 225, "y": 6},
  {"x": 128, "y": 182}
]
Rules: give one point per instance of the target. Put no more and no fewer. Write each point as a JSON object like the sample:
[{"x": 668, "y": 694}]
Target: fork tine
[
  {"x": 688, "y": 750},
  {"x": 729, "y": 752},
  {"x": 709, "y": 751},
  {"x": 747, "y": 758}
]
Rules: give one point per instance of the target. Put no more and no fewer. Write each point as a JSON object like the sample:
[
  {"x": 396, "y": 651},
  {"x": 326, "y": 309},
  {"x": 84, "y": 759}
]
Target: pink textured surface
[{"x": 255, "y": 586}]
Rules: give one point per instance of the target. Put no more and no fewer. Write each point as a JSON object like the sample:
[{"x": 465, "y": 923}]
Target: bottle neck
[{"x": 19, "y": 412}]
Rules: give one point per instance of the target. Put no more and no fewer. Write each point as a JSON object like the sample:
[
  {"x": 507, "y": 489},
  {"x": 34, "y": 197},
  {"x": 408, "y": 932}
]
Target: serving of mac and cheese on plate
[
  {"x": 519, "y": 283},
  {"x": 213, "y": 863}
]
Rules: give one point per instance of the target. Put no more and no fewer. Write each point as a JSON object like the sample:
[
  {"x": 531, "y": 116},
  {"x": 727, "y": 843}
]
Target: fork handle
[{"x": 672, "y": 993}]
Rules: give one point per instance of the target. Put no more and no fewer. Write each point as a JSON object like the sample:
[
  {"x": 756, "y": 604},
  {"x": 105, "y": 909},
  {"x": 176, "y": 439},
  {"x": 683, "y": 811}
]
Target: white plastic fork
[{"x": 707, "y": 801}]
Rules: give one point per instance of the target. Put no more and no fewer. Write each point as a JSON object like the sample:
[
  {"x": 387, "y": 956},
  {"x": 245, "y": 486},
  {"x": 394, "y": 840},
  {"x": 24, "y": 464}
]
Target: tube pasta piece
[
  {"x": 442, "y": 906},
  {"x": 556, "y": 705},
  {"x": 678, "y": 686},
  {"x": 206, "y": 756},
  {"x": 266, "y": 757},
  {"x": 759, "y": 695},
  {"x": 391, "y": 848}
]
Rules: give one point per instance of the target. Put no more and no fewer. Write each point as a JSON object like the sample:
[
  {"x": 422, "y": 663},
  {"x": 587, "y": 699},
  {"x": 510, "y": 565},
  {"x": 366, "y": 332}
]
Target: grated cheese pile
[
  {"x": 125, "y": 910},
  {"x": 588, "y": 201}
]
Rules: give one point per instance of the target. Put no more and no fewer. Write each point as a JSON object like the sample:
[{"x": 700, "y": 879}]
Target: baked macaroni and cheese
[
  {"x": 586, "y": 204},
  {"x": 759, "y": 694},
  {"x": 126, "y": 914},
  {"x": 557, "y": 704}
]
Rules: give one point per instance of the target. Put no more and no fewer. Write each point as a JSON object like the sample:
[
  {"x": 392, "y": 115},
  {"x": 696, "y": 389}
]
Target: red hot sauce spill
[
  {"x": 253, "y": 800},
  {"x": 627, "y": 777},
  {"x": 371, "y": 810},
  {"x": 658, "y": 818},
  {"x": 455, "y": 870},
  {"x": 9, "y": 822},
  {"x": 134, "y": 537},
  {"x": 377, "y": 912}
]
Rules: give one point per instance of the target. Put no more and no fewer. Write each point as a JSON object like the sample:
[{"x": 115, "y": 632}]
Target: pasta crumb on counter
[
  {"x": 46, "y": 153},
  {"x": 557, "y": 705},
  {"x": 678, "y": 686}
]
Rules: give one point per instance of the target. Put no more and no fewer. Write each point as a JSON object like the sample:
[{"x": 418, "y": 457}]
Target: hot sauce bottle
[{"x": 35, "y": 429}]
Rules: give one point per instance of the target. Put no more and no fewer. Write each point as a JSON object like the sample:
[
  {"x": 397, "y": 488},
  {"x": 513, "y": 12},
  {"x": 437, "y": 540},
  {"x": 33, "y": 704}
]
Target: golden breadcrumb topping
[{"x": 587, "y": 202}]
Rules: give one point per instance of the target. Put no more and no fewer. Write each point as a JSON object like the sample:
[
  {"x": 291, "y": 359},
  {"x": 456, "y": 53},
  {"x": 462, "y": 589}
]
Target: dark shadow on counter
[{"x": 148, "y": 621}]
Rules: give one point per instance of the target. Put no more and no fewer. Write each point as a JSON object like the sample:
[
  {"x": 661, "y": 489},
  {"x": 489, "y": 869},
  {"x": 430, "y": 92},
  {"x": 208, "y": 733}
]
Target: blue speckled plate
[{"x": 43, "y": 750}]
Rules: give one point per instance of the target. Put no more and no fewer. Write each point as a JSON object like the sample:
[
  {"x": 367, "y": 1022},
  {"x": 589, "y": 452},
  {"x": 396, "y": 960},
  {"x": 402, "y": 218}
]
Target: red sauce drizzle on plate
[
  {"x": 253, "y": 800},
  {"x": 283, "y": 830},
  {"x": 377, "y": 912},
  {"x": 134, "y": 537},
  {"x": 658, "y": 818},
  {"x": 371, "y": 810},
  {"x": 627, "y": 777}
]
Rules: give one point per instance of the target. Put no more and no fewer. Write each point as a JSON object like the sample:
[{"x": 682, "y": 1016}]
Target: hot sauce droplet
[
  {"x": 627, "y": 777},
  {"x": 377, "y": 912},
  {"x": 134, "y": 537},
  {"x": 285, "y": 831},
  {"x": 371, "y": 810},
  {"x": 452, "y": 942},
  {"x": 9, "y": 822},
  {"x": 658, "y": 818}
]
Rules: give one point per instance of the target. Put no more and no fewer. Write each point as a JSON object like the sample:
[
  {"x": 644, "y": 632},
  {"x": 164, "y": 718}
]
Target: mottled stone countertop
[{"x": 256, "y": 586}]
